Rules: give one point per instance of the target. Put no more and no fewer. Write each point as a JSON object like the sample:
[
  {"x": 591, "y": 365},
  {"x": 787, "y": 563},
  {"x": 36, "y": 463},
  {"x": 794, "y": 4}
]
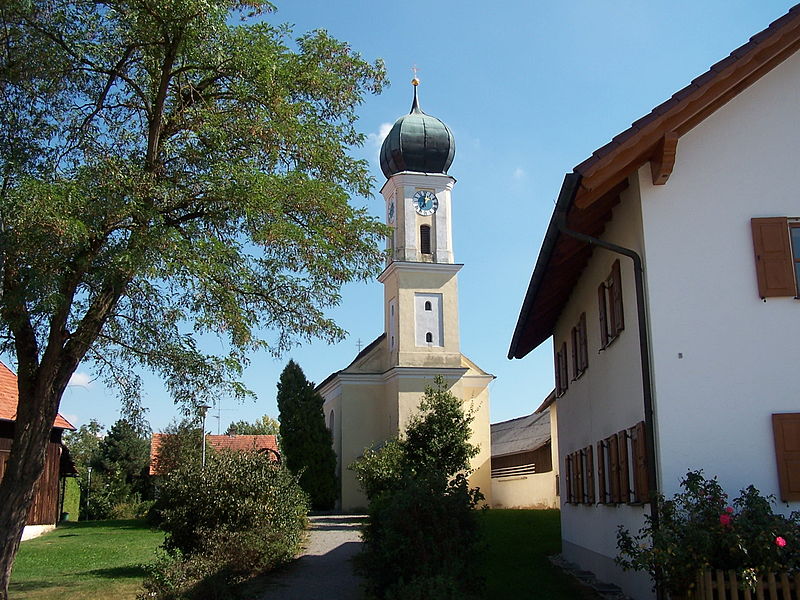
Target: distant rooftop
[
  {"x": 523, "y": 434},
  {"x": 240, "y": 443},
  {"x": 9, "y": 398}
]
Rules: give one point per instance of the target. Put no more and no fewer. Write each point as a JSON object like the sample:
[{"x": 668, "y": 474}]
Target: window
[
  {"x": 609, "y": 300},
  {"x": 580, "y": 476},
  {"x": 562, "y": 378},
  {"x": 580, "y": 353},
  {"x": 429, "y": 337},
  {"x": 622, "y": 467},
  {"x": 427, "y": 305},
  {"x": 786, "y": 427},
  {"x": 776, "y": 243},
  {"x": 425, "y": 239}
]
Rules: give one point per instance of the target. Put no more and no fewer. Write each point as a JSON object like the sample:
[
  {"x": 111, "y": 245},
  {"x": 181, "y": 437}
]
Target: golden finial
[{"x": 415, "y": 81}]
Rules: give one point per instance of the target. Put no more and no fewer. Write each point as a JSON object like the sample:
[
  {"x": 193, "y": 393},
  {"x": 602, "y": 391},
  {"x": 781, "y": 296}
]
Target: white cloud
[
  {"x": 376, "y": 139},
  {"x": 519, "y": 173},
  {"x": 80, "y": 380}
]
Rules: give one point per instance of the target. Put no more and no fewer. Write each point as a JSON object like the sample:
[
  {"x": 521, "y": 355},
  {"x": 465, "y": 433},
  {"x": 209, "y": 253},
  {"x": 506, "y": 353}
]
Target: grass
[
  {"x": 516, "y": 565},
  {"x": 86, "y": 560}
]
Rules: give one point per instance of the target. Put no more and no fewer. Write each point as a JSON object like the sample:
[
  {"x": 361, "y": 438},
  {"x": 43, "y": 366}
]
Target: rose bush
[{"x": 698, "y": 529}]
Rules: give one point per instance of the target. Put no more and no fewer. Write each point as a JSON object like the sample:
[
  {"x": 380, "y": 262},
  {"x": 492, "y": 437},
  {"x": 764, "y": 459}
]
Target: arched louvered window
[
  {"x": 425, "y": 239},
  {"x": 429, "y": 337},
  {"x": 428, "y": 305},
  {"x": 331, "y": 422}
]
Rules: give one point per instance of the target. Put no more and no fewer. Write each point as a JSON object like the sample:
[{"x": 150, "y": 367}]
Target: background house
[
  {"x": 46, "y": 508},
  {"x": 267, "y": 444},
  {"x": 524, "y": 454},
  {"x": 686, "y": 362}
]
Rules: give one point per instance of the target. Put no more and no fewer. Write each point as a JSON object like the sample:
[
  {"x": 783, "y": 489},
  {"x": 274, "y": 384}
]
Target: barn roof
[
  {"x": 523, "y": 434},
  {"x": 592, "y": 190},
  {"x": 239, "y": 443},
  {"x": 9, "y": 398}
]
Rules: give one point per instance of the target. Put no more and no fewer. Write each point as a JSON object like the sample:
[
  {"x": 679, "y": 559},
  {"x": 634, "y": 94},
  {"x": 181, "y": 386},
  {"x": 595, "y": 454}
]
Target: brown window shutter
[
  {"x": 786, "y": 427},
  {"x": 601, "y": 473},
  {"x": 613, "y": 476},
  {"x": 583, "y": 351},
  {"x": 601, "y": 303},
  {"x": 640, "y": 485},
  {"x": 576, "y": 370},
  {"x": 564, "y": 368},
  {"x": 617, "y": 314},
  {"x": 624, "y": 472},
  {"x": 570, "y": 477},
  {"x": 590, "y": 474},
  {"x": 774, "y": 265},
  {"x": 580, "y": 475},
  {"x": 557, "y": 361}
]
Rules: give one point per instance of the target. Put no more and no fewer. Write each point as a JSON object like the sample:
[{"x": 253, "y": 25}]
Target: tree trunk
[{"x": 35, "y": 417}]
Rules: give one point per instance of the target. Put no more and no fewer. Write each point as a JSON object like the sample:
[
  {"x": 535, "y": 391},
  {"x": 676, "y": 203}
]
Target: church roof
[
  {"x": 417, "y": 142},
  {"x": 523, "y": 434},
  {"x": 9, "y": 398},
  {"x": 367, "y": 349},
  {"x": 592, "y": 190}
]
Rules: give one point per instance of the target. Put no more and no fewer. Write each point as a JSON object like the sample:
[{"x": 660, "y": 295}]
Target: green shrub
[
  {"x": 72, "y": 498},
  {"x": 422, "y": 538},
  {"x": 240, "y": 516},
  {"x": 699, "y": 530}
]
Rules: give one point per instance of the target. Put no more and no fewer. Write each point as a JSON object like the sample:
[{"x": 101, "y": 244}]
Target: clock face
[
  {"x": 425, "y": 203},
  {"x": 391, "y": 212}
]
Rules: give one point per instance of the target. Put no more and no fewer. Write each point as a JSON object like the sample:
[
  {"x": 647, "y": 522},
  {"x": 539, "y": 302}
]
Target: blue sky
[{"x": 529, "y": 89}]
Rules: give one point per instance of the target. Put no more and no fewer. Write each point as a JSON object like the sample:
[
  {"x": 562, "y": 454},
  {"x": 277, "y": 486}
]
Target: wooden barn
[{"x": 44, "y": 512}]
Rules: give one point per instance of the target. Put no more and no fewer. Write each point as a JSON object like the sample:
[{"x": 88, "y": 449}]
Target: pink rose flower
[
  {"x": 729, "y": 510},
  {"x": 780, "y": 542},
  {"x": 725, "y": 519}
]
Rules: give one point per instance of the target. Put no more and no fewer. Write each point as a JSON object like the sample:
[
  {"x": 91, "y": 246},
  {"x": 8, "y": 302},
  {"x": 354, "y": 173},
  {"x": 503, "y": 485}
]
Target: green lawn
[
  {"x": 516, "y": 565},
  {"x": 82, "y": 561}
]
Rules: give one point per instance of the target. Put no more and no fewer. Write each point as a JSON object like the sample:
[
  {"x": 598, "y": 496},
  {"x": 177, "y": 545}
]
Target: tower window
[
  {"x": 425, "y": 239},
  {"x": 429, "y": 337},
  {"x": 427, "y": 305}
]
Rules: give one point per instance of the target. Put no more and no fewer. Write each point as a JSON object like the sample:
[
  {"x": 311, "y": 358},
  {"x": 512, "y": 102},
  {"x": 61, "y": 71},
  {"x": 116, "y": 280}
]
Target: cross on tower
[{"x": 359, "y": 345}]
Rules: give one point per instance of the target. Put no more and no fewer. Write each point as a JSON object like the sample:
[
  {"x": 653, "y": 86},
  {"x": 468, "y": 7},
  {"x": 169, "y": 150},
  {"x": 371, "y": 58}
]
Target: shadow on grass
[
  {"x": 118, "y": 524},
  {"x": 126, "y": 572}
]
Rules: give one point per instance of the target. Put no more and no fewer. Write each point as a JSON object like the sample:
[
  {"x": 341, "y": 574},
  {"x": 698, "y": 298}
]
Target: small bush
[
  {"x": 699, "y": 530},
  {"x": 422, "y": 538},
  {"x": 240, "y": 516}
]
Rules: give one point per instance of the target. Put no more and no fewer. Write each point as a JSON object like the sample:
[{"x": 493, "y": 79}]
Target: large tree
[
  {"x": 167, "y": 171},
  {"x": 264, "y": 425},
  {"x": 306, "y": 443}
]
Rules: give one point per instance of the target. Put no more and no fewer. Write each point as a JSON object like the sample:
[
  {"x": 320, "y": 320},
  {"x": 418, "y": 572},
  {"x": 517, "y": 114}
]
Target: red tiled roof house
[
  {"x": 44, "y": 511},
  {"x": 260, "y": 443}
]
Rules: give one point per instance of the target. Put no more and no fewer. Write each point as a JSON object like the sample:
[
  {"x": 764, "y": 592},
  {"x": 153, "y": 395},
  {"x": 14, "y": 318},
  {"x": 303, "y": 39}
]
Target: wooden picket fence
[{"x": 724, "y": 585}]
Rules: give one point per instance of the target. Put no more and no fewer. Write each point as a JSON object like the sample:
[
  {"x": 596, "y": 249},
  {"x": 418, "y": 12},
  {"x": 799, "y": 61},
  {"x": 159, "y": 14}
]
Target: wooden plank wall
[{"x": 45, "y": 500}]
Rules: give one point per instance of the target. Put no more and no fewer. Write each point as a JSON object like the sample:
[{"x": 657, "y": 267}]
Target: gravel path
[{"x": 324, "y": 571}]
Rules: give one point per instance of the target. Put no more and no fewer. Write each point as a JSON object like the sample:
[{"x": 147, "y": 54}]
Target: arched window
[
  {"x": 330, "y": 422},
  {"x": 429, "y": 337},
  {"x": 428, "y": 305},
  {"x": 425, "y": 239}
]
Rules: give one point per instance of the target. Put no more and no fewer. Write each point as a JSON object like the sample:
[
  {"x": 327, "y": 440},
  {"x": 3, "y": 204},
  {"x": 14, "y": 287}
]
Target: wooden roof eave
[{"x": 687, "y": 108}]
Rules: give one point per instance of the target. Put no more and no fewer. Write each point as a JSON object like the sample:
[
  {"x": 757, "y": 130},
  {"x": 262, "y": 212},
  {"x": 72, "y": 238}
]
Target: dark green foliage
[
  {"x": 240, "y": 516},
  {"x": 265, "y": 425},
  {"x": 124, "y": 455},
  {"x": 699, "y": 530},
  {"x": 422, "y": 538},
  {"x": 306, "y": 442}
]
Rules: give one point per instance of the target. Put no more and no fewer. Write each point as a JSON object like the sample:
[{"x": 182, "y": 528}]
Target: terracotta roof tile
[
  {"x": 9, "y": 397},
  {"x": 221, "y": 442}
]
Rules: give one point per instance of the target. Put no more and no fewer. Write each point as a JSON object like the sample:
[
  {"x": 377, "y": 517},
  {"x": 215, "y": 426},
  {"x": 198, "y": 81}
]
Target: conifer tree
[{"x": 306, "y": 442}]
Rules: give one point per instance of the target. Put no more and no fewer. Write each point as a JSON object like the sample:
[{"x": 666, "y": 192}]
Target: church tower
[
  {"x": 420, "y": 282},
  {"x": 373, "y": 398}
]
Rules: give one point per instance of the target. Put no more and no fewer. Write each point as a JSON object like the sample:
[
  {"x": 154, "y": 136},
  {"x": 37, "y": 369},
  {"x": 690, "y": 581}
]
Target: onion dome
[{"x": 417, "y": 142}]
